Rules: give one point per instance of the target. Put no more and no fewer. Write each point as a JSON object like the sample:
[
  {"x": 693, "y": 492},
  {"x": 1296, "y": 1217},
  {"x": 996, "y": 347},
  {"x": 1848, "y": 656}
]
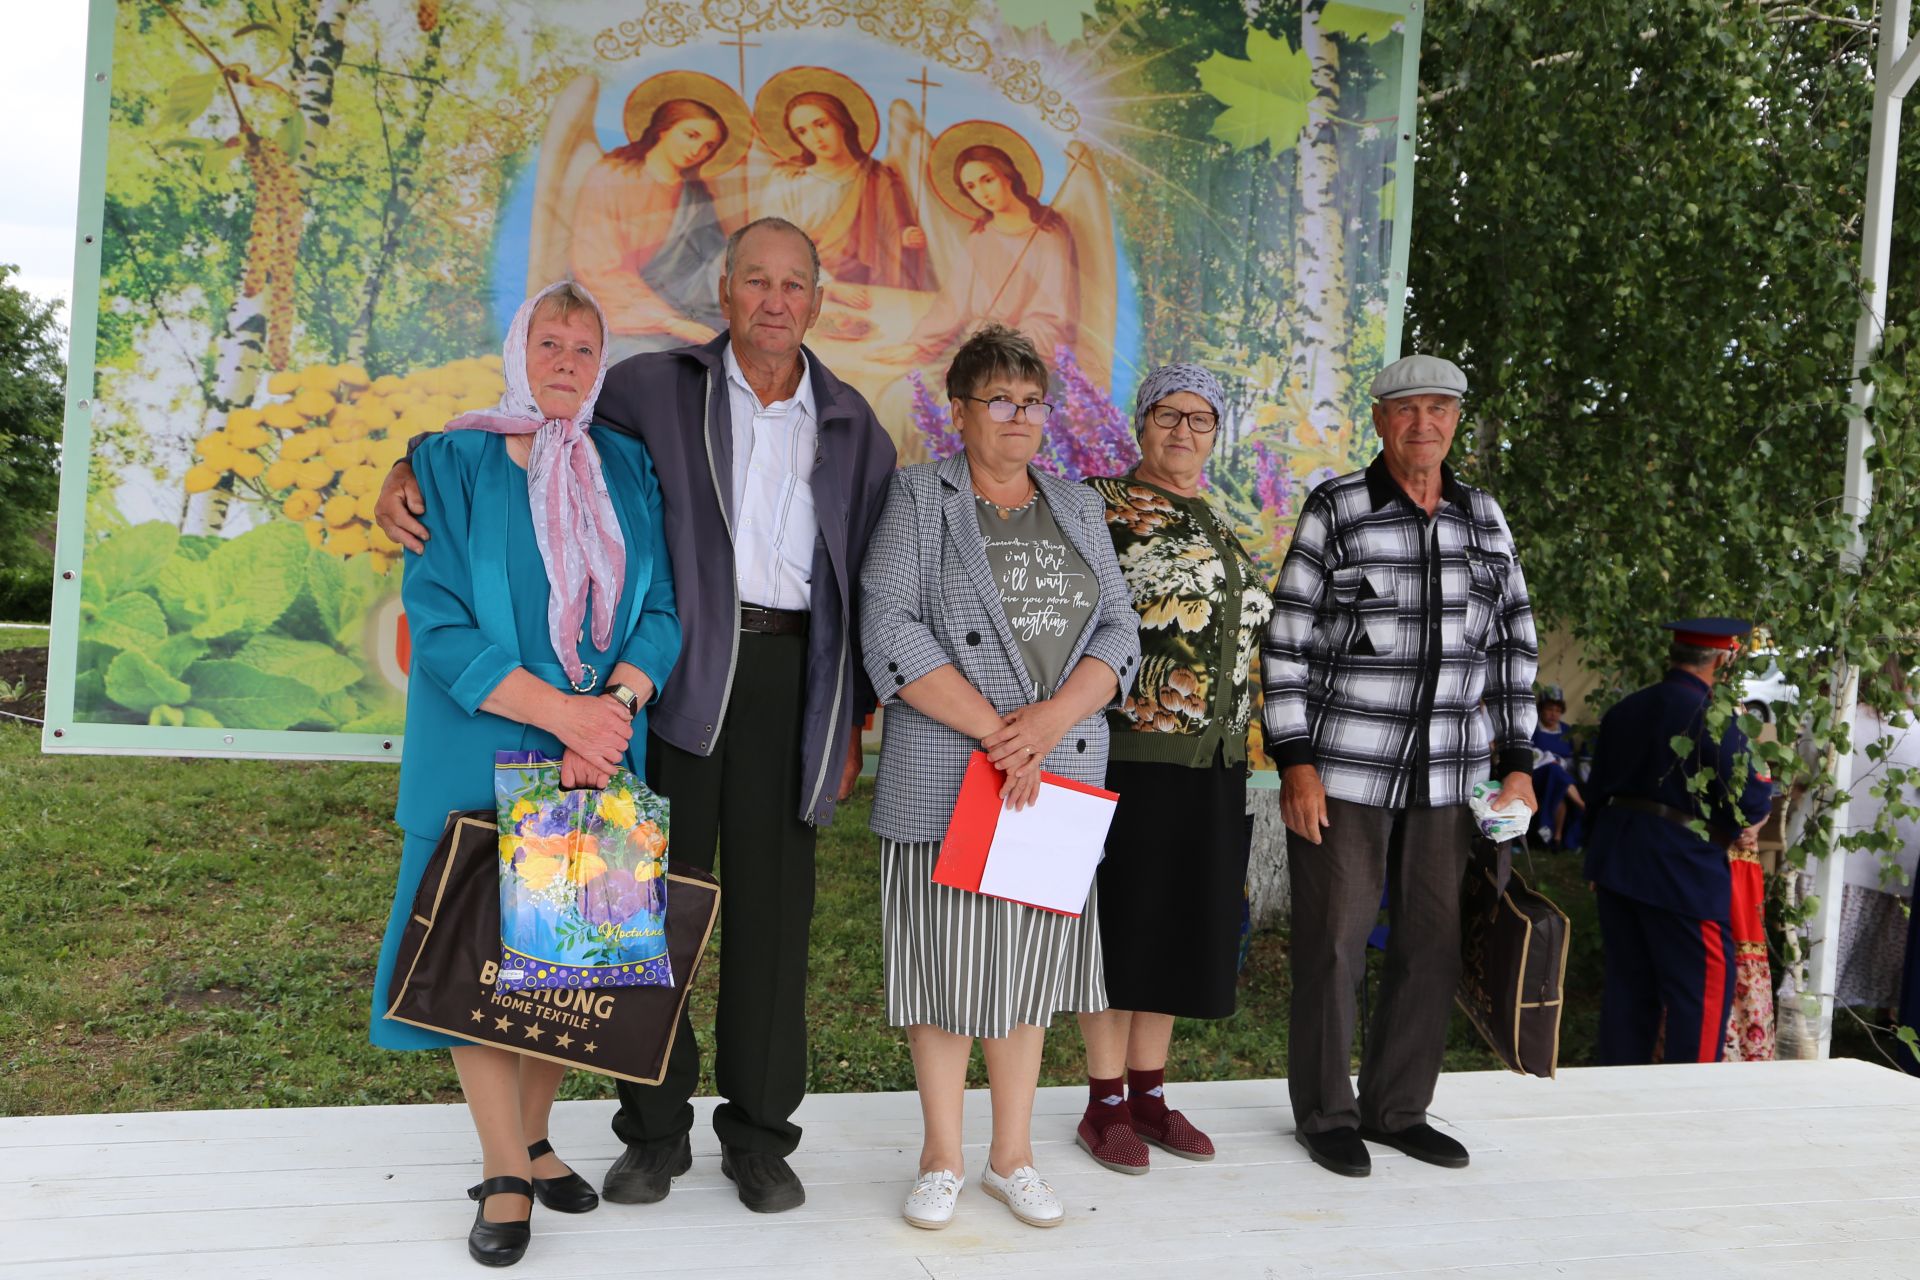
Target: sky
[{"x": 42, "y": 78}]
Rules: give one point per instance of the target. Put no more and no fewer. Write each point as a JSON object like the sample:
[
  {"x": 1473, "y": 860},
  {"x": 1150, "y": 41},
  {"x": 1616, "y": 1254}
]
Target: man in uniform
[{"x": 1665, "y": 893}]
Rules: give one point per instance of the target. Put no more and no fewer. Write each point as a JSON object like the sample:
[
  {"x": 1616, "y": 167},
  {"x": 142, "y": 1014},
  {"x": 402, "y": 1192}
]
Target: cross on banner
[
  {"x": 741, "y": 44},
  {"x": 920, "y": 170}
]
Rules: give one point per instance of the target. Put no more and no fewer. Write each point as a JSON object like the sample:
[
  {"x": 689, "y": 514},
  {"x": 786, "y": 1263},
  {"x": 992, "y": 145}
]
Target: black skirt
[{"x": 1171, "y": 887}]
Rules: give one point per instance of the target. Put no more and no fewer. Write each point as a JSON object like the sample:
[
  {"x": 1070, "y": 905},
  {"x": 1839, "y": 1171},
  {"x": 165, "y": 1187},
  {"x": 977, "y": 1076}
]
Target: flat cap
[{"x": 1419, "y": 376}]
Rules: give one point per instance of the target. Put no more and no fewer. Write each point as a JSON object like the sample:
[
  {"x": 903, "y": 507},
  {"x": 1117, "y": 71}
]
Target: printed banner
[{"x": 305, "y": 227}]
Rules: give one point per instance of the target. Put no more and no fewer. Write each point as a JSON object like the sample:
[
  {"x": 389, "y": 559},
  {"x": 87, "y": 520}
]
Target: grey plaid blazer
[{"x": 928, "y": 599}]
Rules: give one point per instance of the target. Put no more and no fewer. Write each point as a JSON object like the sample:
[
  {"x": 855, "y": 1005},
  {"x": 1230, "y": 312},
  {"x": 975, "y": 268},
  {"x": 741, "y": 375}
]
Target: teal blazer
[{"x": 464, "y": 617}]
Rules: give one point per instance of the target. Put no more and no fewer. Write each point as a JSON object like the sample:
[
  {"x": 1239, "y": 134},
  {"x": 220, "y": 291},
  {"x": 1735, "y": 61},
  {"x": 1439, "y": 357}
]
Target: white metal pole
[{"x": 1893, "y": 76}]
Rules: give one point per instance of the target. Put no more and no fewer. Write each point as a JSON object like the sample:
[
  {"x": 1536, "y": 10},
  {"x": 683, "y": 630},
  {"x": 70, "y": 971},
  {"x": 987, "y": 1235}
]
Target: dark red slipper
[
  {"x": 1174, "y": 1133},
  {"x": 1115, "y": 1147}
]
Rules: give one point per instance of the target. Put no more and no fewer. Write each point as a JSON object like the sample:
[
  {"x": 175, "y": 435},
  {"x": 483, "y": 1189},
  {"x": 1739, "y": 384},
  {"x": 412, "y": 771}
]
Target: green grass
[
  {"x": 20, "y": 635},
  {"x": 202, "y": 933}
]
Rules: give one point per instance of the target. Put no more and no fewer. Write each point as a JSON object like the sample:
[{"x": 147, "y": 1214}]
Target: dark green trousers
[{"x": 742, "y": 803}]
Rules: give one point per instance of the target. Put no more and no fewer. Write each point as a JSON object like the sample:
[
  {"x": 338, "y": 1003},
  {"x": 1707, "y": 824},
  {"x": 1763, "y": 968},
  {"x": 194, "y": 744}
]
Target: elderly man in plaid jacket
[{"x": 1398, "y": 668}]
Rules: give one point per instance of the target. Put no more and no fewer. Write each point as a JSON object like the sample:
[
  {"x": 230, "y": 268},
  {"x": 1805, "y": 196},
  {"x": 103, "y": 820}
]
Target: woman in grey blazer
[{"x": 994, "y": 618}]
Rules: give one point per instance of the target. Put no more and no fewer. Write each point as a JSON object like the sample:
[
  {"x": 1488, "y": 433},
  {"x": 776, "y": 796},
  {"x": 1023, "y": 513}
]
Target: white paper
[{"x": 1045, "y": 854}]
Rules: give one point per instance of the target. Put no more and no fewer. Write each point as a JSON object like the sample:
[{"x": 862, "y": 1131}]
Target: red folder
[{"x": 976, "y": 813}]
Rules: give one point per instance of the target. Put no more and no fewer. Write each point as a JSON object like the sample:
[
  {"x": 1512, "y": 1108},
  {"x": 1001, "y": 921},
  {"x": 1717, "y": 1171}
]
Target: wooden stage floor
[{"x": 1802, "y": 1168}]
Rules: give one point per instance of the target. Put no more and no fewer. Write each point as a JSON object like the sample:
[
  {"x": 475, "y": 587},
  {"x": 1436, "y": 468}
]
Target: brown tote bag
[
  {"x": 449, "y": 953},
  {"x": 1513, "y": 945}
]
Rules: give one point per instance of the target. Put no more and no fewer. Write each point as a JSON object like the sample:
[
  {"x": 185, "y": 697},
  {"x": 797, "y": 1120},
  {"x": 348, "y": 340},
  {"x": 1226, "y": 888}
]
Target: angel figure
[
  {"x": 642, "y": 226},
  {"x": 820, "y": 128},
  {"x": 1047, "y": 270}
]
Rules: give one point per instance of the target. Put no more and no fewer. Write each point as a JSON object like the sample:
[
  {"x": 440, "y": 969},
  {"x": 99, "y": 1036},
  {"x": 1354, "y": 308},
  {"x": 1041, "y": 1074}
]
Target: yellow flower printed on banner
[
  {"x": 509, "y": 846},
  {"x": 521, "y": 811}
]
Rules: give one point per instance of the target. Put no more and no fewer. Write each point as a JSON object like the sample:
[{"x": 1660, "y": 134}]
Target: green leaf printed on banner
[
  {"x": 262, "y": 570},
  {"x": 245, "y": 585},
  {"x": 340, "y": 591},
  {"x": 138, "y": 683},
  {"x": 131, "y": 621},
  {"x": 188, "y": 96},
  {"x": 1358, "y": 23},
  {"x": 1266, "y": 93},
  {"x": 131, "y": 559},
  {"x": 320, "y": 668},
  {"x": 181, "y": 650},
  {"x": 244, "y": 697},
  {"x": 199, "y": 718},
  {"x": 340, "y": 708}
]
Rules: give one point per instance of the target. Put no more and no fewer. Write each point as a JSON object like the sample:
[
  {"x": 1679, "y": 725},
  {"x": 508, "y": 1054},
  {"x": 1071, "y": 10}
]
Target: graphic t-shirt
[{"x": 1048, "y": 591}]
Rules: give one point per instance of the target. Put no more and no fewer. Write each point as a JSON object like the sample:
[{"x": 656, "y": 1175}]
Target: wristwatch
[{"x": 624, "y": 695}]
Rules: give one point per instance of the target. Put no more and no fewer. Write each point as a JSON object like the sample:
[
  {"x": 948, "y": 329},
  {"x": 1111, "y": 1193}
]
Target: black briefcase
[
  {"x": 1513, "y": 945},
  {"x": 449, "y": 954}
]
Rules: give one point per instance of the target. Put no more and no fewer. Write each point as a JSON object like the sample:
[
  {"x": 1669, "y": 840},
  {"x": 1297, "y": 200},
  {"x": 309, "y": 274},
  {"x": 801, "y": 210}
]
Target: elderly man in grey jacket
[{"x": 774, "y": 472}]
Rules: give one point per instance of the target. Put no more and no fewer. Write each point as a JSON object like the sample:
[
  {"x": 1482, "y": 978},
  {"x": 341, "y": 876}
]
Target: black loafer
[
  {"x": 1337, "y": 1151},
  {"x": 767, "y": 1183},
  {"x": 644, "y": 1173},
  {"x": 569, "y": 1194},
  {"x": 499, "y": 1244},
  {"x": 1421, "y": 1141}
]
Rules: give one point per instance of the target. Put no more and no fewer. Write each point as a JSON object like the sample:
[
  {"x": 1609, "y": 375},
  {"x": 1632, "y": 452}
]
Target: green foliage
[
  {"x": 33, "y": 377},
  {"x": 255, "y": 632},
  {"x": 1637, "y": 228}
]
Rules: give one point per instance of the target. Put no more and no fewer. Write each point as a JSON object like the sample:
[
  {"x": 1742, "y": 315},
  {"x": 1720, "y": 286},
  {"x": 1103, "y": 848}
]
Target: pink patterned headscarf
[{"x": 573, "y": 517}]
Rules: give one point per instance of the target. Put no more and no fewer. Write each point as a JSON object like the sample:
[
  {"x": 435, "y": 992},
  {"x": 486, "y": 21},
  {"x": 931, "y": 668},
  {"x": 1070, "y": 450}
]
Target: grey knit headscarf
[{"x": 1169, "y": 378}]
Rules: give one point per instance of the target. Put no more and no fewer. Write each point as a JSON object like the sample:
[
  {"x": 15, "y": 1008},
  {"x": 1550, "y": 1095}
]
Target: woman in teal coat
[{"x": 542, "y": 619}]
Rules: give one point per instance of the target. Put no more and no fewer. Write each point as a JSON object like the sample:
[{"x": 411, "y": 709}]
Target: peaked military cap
[
  {"x": 1710, "y": 633},
  {"x": 1419, "y": 376}
]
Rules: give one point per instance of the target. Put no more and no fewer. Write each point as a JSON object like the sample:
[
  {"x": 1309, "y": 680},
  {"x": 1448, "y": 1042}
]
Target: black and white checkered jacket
[
  {"x": 928, "y": 599},
  {"x": 1388, "y": 630}
]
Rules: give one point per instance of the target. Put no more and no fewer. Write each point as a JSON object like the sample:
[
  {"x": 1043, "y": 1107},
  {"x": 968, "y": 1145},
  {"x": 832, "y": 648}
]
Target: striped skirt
[{"x": 979, "y": 966}]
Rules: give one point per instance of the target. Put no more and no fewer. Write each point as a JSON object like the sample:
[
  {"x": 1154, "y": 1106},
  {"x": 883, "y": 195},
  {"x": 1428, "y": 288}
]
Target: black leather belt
[
  {"x": 1679, "y": 817},
  {"x": 773, "y": 622}
]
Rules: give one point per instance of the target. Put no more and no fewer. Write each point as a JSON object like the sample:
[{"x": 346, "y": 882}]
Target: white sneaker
[
  {"x": 1023, "y": 1191},
  {"x": 930, "y": 1203}
]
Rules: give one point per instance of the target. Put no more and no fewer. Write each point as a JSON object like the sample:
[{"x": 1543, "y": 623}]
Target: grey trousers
[{"x": 1422, "y": 855}]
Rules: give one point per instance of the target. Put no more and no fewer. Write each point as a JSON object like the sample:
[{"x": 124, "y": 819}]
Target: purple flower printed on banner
[{"x": 1272, "y": 486}]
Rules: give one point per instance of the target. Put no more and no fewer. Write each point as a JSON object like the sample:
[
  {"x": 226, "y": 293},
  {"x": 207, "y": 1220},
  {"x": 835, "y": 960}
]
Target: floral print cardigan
[{"x": 1202, "y": 611}]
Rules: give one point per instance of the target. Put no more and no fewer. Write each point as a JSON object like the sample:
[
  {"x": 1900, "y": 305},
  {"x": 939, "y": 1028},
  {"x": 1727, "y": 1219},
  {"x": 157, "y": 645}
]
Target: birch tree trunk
[
  {"x": 240, "y": 351},
  {"x": 403, "y": 177},
  {"x": 1320, "y": 356}
]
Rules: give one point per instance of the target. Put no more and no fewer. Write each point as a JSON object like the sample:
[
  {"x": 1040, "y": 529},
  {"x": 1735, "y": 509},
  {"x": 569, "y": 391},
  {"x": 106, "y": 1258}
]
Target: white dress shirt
[{"x": 773, "y": 522}]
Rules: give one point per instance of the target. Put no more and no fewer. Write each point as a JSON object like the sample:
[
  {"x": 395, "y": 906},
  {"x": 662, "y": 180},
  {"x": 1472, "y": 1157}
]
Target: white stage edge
[{"x": 1696, "y": 1171}]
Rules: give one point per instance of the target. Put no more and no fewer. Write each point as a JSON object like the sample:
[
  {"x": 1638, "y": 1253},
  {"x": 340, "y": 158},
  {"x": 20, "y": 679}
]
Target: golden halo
[
  {"x": 770, "y": 107},
  {"x": 708, "y": 92},
  {"x": 974, "y": 133}
]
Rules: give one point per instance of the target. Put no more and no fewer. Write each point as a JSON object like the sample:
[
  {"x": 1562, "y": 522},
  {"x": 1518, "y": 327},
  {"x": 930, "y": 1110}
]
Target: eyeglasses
[
  {"x": 1167, "y": 418},
  {"x": 1036, "y": 413}
]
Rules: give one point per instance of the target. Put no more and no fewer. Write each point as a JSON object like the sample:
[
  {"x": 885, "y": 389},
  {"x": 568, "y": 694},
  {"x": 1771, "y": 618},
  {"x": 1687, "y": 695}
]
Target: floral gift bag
[{"x": 583, "y": 889}]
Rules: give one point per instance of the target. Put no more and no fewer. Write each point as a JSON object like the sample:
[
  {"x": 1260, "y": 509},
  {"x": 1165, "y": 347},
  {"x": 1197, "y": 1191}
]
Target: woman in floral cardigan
[{"x": 1171, "y": 885}]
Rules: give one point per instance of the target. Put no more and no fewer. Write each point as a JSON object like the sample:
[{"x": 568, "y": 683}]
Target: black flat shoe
[
  {"x": 644, "y": 1173},
  {"x": 767, "y": 1183},
  {"x": 569, "y": 1194},
  {"x": 1337, "y": 1151},
  {"x": 499, "y": 1244},
  {"x": 1421, "y": 1141}
]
